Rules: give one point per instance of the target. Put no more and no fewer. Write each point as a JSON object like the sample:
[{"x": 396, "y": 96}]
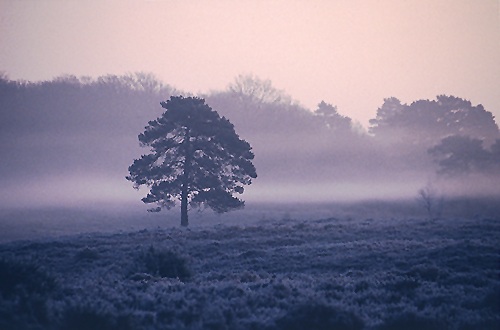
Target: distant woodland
[{"x": 85, "y": 126}]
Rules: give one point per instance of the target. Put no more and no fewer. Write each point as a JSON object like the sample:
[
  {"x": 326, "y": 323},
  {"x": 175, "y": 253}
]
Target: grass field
[{"x": 278, "y": 271}]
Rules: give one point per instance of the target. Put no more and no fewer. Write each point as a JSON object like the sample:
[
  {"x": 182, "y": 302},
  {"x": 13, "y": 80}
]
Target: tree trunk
[
  {"x": 185, "y": 181},
  {"x": 184, "y": 206}
]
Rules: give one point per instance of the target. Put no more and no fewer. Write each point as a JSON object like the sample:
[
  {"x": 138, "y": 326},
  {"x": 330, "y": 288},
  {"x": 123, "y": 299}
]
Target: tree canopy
[
  {"x": 333, "y": 119},
  {"x": 428, "y": 121},
  {"x": 462, "y": 154},
  {"x": 196, "y": 157}
]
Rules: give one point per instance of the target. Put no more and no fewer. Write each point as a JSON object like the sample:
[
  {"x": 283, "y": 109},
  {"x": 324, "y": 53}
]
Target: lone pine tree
[{"x": 196, "y": 157}]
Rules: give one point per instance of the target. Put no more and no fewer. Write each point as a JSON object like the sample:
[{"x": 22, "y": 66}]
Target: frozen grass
[{"x": 332, "y": 273}]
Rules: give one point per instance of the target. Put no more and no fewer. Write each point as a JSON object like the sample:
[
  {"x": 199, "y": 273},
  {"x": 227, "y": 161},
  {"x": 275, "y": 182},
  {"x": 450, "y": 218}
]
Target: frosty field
[{"x": 274, "y": 272}]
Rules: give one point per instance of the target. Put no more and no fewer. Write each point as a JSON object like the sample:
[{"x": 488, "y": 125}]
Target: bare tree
[
  {"x": 253, "y": 90},
  {"x": 431, "y": 200}
]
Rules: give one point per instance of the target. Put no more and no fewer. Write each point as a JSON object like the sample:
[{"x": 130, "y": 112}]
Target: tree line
[{"x": 92, "y": 125}]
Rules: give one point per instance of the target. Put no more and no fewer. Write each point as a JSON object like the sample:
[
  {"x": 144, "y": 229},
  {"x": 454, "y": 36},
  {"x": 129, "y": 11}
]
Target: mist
[{"x": 70, "y": 141}]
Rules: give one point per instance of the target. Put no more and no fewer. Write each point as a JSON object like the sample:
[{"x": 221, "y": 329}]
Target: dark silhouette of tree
[
  {"x": 432, "y": 202},
  {"x": 332, "y": 118},
  {"x": 387, "y": 117},
  {"x": 463, "y": 154},
  {"x": 196, "y": 157},
  {"x": 425, "y": 122}
]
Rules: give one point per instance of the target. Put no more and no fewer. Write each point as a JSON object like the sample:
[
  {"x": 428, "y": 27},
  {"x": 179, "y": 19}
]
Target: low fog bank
[
  {"x": 46, "y": 222},
  {"x": 67, "y": 143},
  {"x": 99, "y": 191}
]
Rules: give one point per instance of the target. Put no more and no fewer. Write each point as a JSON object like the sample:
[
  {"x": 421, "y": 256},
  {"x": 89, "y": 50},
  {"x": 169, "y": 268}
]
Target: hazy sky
[{"x": 346, "y": 52}]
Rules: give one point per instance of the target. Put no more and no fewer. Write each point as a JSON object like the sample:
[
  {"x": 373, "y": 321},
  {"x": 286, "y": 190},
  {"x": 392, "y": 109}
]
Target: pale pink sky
[{"x": 346, "y": 52}]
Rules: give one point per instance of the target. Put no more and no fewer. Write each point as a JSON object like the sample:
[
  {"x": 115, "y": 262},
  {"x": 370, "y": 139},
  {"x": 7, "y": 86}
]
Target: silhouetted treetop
[
  {"x": 332, "y": 118},
  {"x": 387, "y": 115},
  {"x": 425, "y": 121}
]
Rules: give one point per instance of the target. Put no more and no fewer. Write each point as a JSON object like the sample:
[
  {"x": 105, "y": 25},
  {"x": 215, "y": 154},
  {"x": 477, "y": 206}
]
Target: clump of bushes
[
  {"x": 319, "y": 317},
  {"x": 425, "y": 272},
  {"x": 87, "y": 254},
  {"x": 24, "y": 290},
  {"x": 90, "y": 318},
  {"x": 412, "y": 321},
  {"x": 23, "y": 278},
  {"x": 165, "y": 263}
]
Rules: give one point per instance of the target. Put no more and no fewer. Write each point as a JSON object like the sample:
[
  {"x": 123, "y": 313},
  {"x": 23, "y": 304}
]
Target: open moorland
[{"x": 270, "y": 273}]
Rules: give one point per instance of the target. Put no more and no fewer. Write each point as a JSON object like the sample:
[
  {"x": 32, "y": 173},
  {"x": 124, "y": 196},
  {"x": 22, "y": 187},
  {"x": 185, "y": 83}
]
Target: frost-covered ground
[{"x": 269, "y": 273}]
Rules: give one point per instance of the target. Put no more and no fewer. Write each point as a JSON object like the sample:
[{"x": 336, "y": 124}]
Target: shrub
[
  {"x": 22, "y": 277},
  {"x": 88, "y": 318},
  {"x": 412, "y": 321},
  {"x": 25, "y": 288},
  {"x": 319, "y": 317},
  {"x": 87, "y": 254},
  {"x": 404, "y": 286},
  {"x": 492, "y": 299},
  {"x": 425, "y": 272},
  {"x": 490, "y": 324},
  {"x": 166, "y": 264}
]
